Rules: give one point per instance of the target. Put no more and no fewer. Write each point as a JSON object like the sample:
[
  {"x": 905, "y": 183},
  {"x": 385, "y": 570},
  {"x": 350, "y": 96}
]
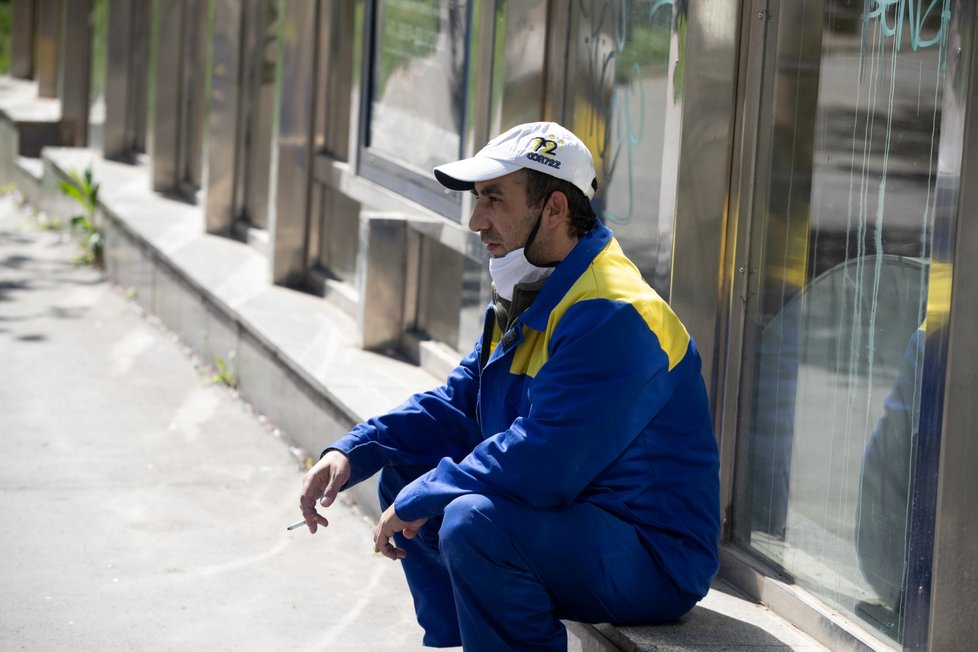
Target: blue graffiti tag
[
  {"x": 619, "y": 142},
  {"x": 897, "y": 15}
]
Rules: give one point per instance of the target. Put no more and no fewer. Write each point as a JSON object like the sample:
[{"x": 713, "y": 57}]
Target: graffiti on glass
[
  {"x": 623, "y": 38},
  {"x": 911, "y": 17}
]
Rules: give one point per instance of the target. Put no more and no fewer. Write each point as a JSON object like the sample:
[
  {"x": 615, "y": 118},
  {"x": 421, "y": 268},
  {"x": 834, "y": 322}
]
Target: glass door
[{"x": 840, "y": 248}]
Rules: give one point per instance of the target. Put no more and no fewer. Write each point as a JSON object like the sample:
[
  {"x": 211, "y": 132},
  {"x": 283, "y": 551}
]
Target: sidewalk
[{"x": 143, "y": 507}]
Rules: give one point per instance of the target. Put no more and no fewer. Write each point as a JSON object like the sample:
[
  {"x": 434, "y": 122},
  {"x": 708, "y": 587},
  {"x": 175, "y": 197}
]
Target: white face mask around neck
[{"x": 506, "y": 271}]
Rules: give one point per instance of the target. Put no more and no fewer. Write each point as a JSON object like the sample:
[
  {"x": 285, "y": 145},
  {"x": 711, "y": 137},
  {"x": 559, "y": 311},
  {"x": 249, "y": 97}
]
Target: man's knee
[{"x": 468, "y": 527}]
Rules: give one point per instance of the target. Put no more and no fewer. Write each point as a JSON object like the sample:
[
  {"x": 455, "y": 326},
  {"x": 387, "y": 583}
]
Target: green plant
[
  {"x": 83, "y": 189},
  {"x": 224, "y": 375}
]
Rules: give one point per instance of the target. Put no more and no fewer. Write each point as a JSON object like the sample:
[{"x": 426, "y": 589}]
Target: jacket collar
[{"x": 564, "y": 276}]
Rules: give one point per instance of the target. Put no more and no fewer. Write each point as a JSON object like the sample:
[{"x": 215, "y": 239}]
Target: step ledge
[{"x": 725, "y": 619}]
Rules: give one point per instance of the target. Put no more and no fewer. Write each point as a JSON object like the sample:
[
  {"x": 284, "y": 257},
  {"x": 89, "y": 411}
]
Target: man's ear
[{"x": 557, "y": 210}]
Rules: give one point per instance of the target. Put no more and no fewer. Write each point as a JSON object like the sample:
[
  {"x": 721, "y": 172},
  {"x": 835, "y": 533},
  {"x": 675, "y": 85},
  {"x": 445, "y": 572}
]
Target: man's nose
[{"x": 477, "y": 220}]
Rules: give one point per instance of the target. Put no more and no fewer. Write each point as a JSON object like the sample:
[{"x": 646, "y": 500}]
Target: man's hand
[
  {"x": 388, "y": 525},
  {"x": 322, "y": 483}
]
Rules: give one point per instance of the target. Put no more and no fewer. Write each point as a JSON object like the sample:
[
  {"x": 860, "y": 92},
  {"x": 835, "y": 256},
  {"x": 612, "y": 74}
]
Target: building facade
[{"x": 794, "y": 177}]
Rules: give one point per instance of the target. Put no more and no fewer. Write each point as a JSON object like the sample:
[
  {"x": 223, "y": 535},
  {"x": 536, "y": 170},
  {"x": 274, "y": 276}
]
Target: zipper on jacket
[{"x": 486, "y": 350}]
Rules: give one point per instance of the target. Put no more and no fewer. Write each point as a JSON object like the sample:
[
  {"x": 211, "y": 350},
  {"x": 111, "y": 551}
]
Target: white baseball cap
[{"x": 543, "y": 146}]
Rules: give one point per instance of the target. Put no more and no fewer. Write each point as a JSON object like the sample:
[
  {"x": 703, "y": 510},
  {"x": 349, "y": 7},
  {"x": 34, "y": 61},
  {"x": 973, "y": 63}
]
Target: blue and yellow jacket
[{"x": 594, "y": 394}]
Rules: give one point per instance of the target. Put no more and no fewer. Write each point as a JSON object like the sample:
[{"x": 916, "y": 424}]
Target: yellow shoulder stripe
[{"x": 610, "y": 276}]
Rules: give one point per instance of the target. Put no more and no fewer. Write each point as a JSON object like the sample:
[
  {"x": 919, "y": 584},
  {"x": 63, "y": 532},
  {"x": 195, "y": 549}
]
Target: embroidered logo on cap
[{"x": 544, "y": 151}]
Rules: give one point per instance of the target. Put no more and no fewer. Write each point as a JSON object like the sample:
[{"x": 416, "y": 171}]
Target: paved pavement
[{"x": 143, "y": 507}]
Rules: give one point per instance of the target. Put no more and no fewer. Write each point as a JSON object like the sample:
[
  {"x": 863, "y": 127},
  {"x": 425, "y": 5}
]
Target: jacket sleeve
[
  {"x": 605, "y": 380},
  {"x": 422, "y": 430}
]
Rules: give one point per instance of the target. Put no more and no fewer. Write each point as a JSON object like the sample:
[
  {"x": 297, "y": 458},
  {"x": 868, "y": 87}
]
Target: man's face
[{"x": 501, "y": 215}]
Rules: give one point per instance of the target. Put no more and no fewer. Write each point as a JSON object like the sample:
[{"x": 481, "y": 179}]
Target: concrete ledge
[
  {"x": 725, "y": 620},
  {"x": 296, "y": 359},
  {"x": 33, "y": 168},
  {"x": 27, "y": 174},
  {"x": 27, "y": 123},
  {"x": 36, "y": 120}
]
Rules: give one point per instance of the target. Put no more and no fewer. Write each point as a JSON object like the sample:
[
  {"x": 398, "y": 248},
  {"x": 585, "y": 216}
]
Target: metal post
[
  {"x": 381, "y": 280},
  {"x": 117, "y": 82},
  {"x": 46, "y": 43},
  {"x": 224, "y": 115},
  {"x": 76, "y": 72},
  {"x": 166, "y": 124},
  {"x": 296, "y": 120},
  {"x": 22, "y": 39},
  {"x": 254, "y": 180},
  {"x": 954, "y": 575},
  {"x": 138, "y": 74}
]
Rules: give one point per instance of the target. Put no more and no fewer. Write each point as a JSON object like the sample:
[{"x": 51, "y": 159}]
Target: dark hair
[{"x": 539, "y": 186}]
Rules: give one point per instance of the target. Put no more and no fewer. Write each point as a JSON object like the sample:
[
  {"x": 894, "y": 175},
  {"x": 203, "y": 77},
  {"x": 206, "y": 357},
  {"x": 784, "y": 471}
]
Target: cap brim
[{"x": 462, "y": 175}]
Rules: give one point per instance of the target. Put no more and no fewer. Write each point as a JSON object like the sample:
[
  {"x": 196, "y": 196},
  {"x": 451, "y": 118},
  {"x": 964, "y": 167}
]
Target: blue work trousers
[{"x": 493, "y": 574}]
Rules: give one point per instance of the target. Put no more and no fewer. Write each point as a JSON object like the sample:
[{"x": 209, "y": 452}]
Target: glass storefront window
[
  {"x": 840, "y": 249},
  {"x": 417, "y": 89},
  {"x": 620, "y": 100}
]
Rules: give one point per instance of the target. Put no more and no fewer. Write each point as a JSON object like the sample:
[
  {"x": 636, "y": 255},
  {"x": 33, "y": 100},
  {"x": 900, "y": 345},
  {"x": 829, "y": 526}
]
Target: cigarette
[{"x": 296, "y": 525}]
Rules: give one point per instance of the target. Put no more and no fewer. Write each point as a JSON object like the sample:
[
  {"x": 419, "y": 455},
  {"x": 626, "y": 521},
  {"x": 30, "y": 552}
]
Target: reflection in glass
[
  {"x": 840, "y": 253},
  {"x": 418, "y": 81},
  {"x": 620, "y": 101}
]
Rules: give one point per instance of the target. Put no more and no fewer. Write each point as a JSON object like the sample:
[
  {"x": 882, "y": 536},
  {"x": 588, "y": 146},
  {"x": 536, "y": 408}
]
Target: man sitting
[{"x": 567, "y": 469}]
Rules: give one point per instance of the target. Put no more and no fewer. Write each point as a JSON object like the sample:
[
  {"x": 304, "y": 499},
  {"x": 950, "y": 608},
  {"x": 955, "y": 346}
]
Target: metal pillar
[
  {"x": 381, "y": 280},
  {"x": 296, "y": 120},
  {"x": 258, "y": 53},
  {"x": 117, "y": 82},
  {"x": 22, "y": 39},
  {"x": 193, "y": 45},
  {"x": 137, "y": 95},
  {"x": 955, "y": 566},
  {"x": 166, "y": 123},
  {"x": 46, "y": 43},
  {"x": 224, "y": 115},
  {"x": 76, "y": 72}
]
